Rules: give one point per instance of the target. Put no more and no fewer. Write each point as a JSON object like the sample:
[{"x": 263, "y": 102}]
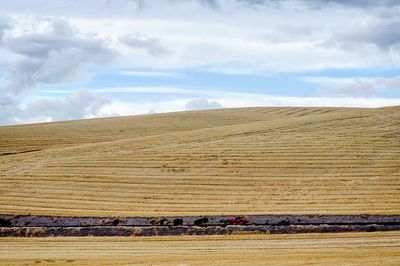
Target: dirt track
[{"x": 45, "y": 226}]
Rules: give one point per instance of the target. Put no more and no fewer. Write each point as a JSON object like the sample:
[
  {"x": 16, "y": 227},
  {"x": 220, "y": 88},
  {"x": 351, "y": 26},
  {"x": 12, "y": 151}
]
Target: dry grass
[
  {"x": 248, "y": 161},
  {"x": 379, "y": 248}
]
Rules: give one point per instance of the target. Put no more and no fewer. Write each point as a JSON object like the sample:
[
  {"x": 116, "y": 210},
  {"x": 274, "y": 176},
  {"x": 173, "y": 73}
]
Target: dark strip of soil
[
  {"x": 16, "y": 152},
  {"x": 186, "y": 230},
  {"x": 72, "y": 221},
  {"x": 27, "y": 225}
]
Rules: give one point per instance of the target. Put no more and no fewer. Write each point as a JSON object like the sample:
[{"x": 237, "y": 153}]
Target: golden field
[
  {"x": 378, "y": 248},
  {"x": 229, "y": 161}
]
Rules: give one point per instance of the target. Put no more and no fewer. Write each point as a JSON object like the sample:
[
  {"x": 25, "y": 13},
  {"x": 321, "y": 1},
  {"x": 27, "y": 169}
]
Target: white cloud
[
  {"x": 5, "y": 25},
  {"x": 358, "y": 88},
  {"x": 202, "y": 104},
  {"x": 355, "y": 86},
  {"x": 372, "y": 35},
  {"x": 119, "y": 107},
  {"x": 46, "y": 51},
  {"x": 150, "y": 44},
  {"x": 162, "y": 74},
  {"x": 82, "y": 104},
  {"x": 331, "y": 80},
  {"x": 237, "y": 37},
  {"x": 355, "y": 3},
  {"x": 56, "y": 55}
]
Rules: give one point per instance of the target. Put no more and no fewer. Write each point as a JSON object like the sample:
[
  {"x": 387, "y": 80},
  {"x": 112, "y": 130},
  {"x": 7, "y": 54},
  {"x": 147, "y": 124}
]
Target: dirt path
[{"x": 45, "y": 226}]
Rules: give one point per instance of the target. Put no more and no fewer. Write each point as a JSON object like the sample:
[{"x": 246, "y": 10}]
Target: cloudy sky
[{"x": 70, "y": 59}]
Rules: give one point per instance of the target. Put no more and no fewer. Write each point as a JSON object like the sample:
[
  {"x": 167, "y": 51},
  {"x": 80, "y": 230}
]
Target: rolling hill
[{"x": 230, "y": 161}]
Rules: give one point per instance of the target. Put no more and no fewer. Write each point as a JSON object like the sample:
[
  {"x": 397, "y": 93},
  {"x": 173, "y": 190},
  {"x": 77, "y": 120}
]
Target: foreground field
[
  {"x": 328, "y": 249},
  {"x": 232, "y": 161}
]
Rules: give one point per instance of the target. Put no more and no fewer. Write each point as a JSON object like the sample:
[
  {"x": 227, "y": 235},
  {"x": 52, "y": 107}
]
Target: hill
[{"x": 229, "y": 161}]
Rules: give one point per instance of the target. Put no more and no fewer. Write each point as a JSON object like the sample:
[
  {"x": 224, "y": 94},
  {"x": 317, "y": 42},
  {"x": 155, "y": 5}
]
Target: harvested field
[
  {"x": 289, "y": 161},
  {"x": 378, "y": 248},
  {"x": 232, "y": 161}
]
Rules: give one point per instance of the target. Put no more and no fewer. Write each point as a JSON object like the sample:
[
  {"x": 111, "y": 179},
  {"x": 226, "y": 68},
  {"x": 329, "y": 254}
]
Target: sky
[{"x": 73, "y": 59}]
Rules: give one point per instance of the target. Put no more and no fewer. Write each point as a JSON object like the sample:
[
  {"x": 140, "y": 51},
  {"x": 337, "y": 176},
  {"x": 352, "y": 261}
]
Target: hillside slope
[
  {"x": 247, "y": 161},
  {"x": 25, "y": 138}
]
